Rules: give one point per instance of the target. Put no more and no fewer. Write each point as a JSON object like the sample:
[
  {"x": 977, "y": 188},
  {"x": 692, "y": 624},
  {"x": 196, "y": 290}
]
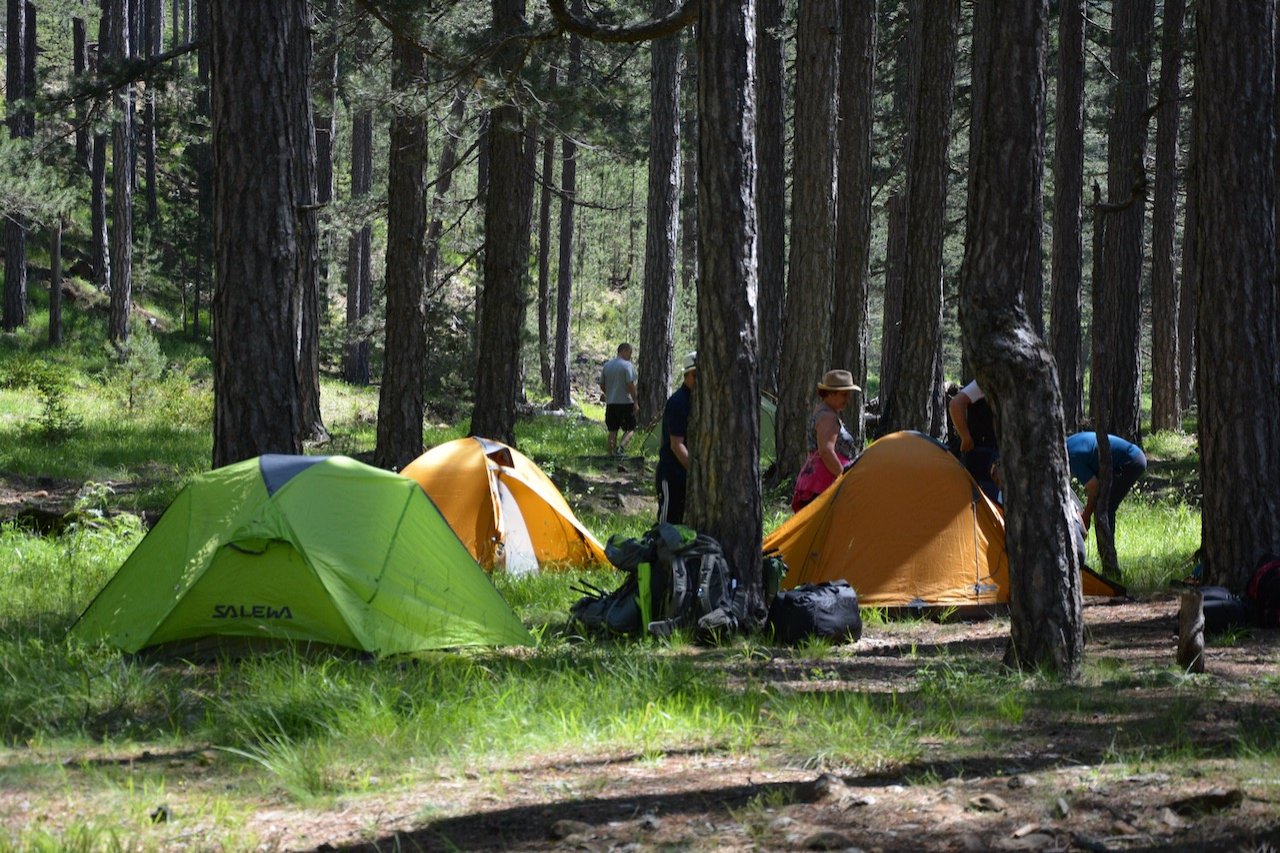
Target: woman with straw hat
[{"x": 830, "y": 444}]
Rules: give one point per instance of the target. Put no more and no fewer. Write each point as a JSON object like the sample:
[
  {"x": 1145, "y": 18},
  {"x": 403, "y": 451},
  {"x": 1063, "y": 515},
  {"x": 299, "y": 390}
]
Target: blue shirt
[{"x": 1082, "y": 454}]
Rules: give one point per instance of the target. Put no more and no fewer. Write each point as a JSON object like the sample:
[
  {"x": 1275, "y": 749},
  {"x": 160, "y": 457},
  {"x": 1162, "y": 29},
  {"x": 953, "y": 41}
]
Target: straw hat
[
  {"x": 691, "y": 361},
  {"x": 837, "y": 380}
]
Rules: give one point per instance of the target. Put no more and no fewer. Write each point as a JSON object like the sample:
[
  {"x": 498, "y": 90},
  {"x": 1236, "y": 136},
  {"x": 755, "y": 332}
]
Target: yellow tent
[
  {"x": 503, "y": 507},
  {"x": 907, "y": 527}
]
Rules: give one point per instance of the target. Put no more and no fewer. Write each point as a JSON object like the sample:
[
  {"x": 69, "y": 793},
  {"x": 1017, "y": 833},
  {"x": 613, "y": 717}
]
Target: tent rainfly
[
  {"x": 907, "y": 526},
  {"x": 301, "y": 549},
  {"x": 504, "y": 508}
]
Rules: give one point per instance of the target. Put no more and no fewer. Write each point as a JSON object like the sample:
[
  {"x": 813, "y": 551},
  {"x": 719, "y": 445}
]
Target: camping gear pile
[{"x": 675, "y": 579}]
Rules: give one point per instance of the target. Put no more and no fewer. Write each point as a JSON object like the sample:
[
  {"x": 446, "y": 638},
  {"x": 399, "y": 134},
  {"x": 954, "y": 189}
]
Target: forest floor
[{"x": 1052, "y": 782}]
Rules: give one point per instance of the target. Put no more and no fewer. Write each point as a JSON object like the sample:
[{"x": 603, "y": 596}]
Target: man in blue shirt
[
  {"x": 673, "y": 454},
  {"x": 1128, "y": 463}
]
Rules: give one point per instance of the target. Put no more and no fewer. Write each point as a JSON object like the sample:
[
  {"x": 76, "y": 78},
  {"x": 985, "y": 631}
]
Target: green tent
[
  {"x": 652, "y": 439},
  {"x": 307, "y": 549}
]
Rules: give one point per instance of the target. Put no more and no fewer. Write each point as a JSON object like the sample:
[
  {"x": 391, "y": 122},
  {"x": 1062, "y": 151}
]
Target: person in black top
[
  {"x": 673, "y": 454},
  {"x": 974, "y": 423}
]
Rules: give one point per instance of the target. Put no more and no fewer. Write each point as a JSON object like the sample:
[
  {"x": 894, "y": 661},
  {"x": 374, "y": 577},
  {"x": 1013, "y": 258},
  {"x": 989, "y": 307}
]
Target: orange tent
[
  {"x": 907, "y": 526},
  {"x": 503, "y": 507}
]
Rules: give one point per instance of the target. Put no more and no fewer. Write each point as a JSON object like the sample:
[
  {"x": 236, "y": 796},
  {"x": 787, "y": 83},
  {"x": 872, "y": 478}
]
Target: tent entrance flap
[{"x": 517, "y": 545}]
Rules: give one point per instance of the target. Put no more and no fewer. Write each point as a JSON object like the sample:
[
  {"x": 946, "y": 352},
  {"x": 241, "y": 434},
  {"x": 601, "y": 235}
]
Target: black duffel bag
[{"x": 828, "y": 610}]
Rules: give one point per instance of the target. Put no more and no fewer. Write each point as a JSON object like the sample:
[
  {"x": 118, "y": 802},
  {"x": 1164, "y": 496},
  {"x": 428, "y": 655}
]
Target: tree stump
[{"x": 1191, "y": 631}]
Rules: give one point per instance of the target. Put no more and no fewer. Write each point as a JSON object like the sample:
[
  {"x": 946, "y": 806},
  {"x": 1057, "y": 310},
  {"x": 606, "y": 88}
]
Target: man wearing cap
[
  {"x": 673, "y": 454},
  {"x": 830, "y": 443},
  {"x": 618, "y": 383}
]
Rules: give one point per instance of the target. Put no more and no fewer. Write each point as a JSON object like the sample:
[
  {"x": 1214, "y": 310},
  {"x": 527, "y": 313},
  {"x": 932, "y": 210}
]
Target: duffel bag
[{"x": 828, "y": 610}]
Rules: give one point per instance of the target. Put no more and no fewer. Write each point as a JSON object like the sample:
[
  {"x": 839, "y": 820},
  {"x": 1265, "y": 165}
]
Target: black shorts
[{"x": 620, "y": 416}]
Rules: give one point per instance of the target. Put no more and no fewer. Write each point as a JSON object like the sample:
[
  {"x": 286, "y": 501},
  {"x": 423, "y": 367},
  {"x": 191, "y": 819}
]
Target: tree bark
[
  {"x": 1239, "y": 414},
  {"x": 806, "y": 340},
  {"x": 21, "y": 124},
  {"x": 1118, "y": 327},
  {"x": 658, "y": 308},
  {"x": 203, "y": 159},
  {"x": 122, "y": 182},
  {"x": 55, "y": 283},
  {"x": 894, "y": 270},
  {"x": 506, "y": 253},
  {"x": 1010, "y": 360},
  {"x": 854, "y": 186},
  {"x": 1188, "y": 304},
  {"x": 915, "y": 401},
  {"x": 544, "y": 260},
  {"x": 1166, "y": 412},
  {"x": 724, "y": 477},
  {"x": 1068, "y": 199},
  {"x": 259, "y": 71},
  {"x": 771, "y": 186},
  {"x": 100, "y": 238},
  {"x": 80, "y": 67},
  {"x": 400, "y": 399},
  {"x": 152, "y": 14},
  {"x": 355, "y": 365},
  {"x": 561, "y": 393},
  {"x": 326, "y": 87}
]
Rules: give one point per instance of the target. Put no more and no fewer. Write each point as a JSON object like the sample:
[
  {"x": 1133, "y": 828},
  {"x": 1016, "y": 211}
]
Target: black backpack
[
  {"x": 828, "y": 610},
  {"x": 675, "y": 578}
]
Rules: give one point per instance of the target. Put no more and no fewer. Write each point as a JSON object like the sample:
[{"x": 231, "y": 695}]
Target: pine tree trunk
[
  {"x": 55, "y": 283},
  {"x": 1118, "y": 327},
  {"x": 506, "y": 228},
  {"x": 1068, "y": 198},
  {"x": 771, "y": 186},
  {"x": 544, "y": 260},
  {"x": 689, "y": 240},
  {"x": 99, "y": 238},
  {"x": 203, "y": 157},
  {"x": 326, "y": 86},
  {"x": 1011, "y": 361},
  {"x": 854, "y": 186},
  {"x": 355, "y": 365},
  {"x": 915, "y": 401},
  {"x": 658, "y": 309},
  {"x": 1239, "y": 413},
  {"x": 894, "y": 269},
  {"x": 153, "y": 24},
  {"x": 122, "y": 182},
  {"x": 21, "y": 124},
  {"x": 1166, "y": 413},
  {"x": 724, "y": 479},
  {"x": 806, "y": 340},
  {"x": 561, "y": 393},
  {"x": 1188, "y": 304},
  {"x": 259, "y": 72},
  {"x": 400, "y": 398},
  {"x": 80, "y": 67}
]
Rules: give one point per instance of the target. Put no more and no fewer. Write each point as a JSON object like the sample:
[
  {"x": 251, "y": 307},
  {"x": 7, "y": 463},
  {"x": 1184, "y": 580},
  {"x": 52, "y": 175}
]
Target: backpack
[
  {"x": 828, "y": 610},
  {"x": 675, "y": 578},
  {"x": 1225, "y": 611},
  {"x": 1263, "y": 591}
]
